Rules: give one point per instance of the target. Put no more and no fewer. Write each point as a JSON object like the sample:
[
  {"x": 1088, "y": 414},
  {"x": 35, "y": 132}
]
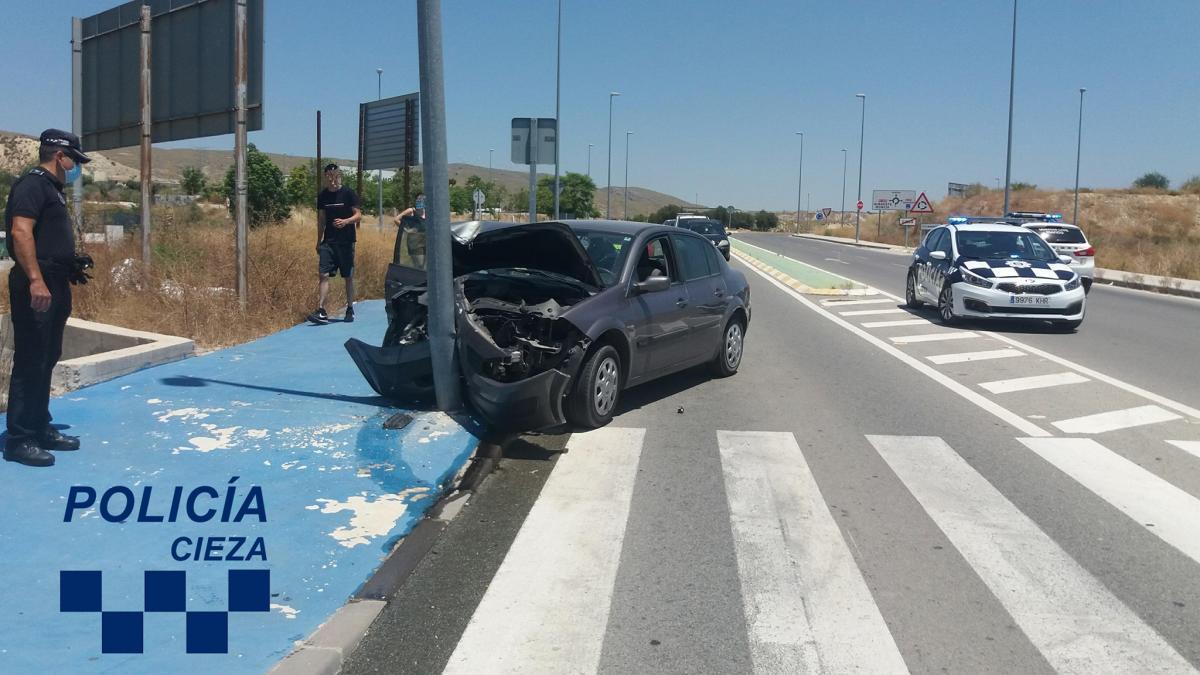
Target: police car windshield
[{"x": 1004, "y": 245}]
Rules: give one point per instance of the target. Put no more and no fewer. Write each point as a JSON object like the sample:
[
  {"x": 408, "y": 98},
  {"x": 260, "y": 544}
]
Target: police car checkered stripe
[{"x": 1032, "y": 269}]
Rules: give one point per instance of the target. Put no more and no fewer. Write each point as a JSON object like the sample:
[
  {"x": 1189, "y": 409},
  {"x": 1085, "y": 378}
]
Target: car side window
[
  {"x": 946, "y": 243},
  {"x": 654, "y": 260},
  {"x": 934, "y": 240},
  {"x": 714, "y": 265},
  {"x": 692, "y": 258}
]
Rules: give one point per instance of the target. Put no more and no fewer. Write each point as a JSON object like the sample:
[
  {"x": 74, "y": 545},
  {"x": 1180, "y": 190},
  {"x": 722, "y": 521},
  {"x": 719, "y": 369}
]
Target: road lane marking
[
  {"x": 1072, "y": 619},
  {"x": 1008, "y": 416},
  {"x": 840, "y": 303},
  {"x": 808, "y": 608},
  {"x": 963, "y": 357},
  {"x": 844, "y": 262},
  {"x": 1191, "y": 447},
  {"x": 1034, "y": 382},
  {"x": 1139, "y": 494},
  {"x": 934, "y": 337},
  {"x": 888, "y": 324},
  {"x": 547, "y": 608},
  {"x": 1116, "y": 419},
  {"x": 873, "y": 312}
]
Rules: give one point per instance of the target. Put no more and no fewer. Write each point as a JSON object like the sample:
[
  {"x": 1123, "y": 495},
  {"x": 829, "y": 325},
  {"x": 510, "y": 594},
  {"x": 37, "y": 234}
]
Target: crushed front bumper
[{"x": 527, "y": 405}]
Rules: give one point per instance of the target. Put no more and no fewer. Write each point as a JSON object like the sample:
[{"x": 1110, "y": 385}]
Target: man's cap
[
  {"x": 65, "y": 141},
  {"x": 331, "y": 167}
]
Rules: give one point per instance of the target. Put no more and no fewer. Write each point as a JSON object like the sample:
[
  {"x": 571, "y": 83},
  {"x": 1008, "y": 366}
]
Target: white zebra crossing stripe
[
  {"x": 1191, "y": 447},
  {"x": 934, "y": 337},
  {"x": 807, "y": 606},
  {"x": 963, "y": 357},
  {"x": 1073, "y": 620},
  {"x": 1116, "y": 419},
  {"x": 873, "y": 312},
  {"x": 889, "y": 324},
  {"x": 840, "y": 303},
  {"x": 1136, "y": 492},
  {"x": 547, "y": 608},
  {"x": 1033, "y": 382}
]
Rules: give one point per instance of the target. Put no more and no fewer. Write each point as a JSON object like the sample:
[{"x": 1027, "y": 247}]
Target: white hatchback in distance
[{"x": 1069, "y": 240}]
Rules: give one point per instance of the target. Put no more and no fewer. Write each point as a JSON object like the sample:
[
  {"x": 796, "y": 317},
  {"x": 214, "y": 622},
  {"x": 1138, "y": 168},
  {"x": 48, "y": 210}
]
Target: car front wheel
[
  {"x": 593, "y": 401},
  {"x": 733, "y": 342},
  {"x": 910, "y": 293},
  {"x": 946, "y": 306}
]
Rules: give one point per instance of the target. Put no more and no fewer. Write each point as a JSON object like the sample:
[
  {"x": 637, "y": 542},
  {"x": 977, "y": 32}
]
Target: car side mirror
[
  {"x": 1065, "y": 259},
  {"x": 653, "y": 284},
  {"x": 938, "y": 255}
]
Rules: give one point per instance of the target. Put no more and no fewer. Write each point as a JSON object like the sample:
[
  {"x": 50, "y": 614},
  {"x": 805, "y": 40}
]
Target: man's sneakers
[
  {"x": 319, "y": 317},
  {"x": 349, "y": 318},
  {"x": 28, "y": 453},
  {"x": 53, "y": 440}
]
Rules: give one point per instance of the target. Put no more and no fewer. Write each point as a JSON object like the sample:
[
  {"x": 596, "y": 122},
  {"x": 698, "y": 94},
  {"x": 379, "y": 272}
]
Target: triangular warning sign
[
  {"x": 826, "y": 211},
  {"x": 922, "y": 205}
]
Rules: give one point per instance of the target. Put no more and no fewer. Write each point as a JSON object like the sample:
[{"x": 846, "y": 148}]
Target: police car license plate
[{"x": 1028, "y": 300}]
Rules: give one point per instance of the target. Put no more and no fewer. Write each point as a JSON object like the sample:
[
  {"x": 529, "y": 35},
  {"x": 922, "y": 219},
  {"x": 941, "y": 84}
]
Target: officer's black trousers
[{"x": 37, "y": 346}]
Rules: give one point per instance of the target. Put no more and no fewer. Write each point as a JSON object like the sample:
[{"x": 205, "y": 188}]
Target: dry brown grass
[{"x": 190, "y": 289}]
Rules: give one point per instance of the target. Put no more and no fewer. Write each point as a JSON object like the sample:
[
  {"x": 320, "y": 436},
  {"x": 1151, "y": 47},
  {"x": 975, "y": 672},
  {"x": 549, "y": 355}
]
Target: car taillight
[{"x": 1086, "y": 253}]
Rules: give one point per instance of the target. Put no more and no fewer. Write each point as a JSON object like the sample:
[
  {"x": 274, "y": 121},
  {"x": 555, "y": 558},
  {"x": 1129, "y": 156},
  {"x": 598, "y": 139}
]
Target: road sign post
[
  {"x": 478, "y": 197},
  {"x": 533, "y": 139}
]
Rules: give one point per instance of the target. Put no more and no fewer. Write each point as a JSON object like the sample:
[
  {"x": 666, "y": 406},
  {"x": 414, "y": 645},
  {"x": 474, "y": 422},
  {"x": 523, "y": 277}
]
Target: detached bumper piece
[
  {"x": 401, "y": 372},
  {"x": 529, "y": 404}
]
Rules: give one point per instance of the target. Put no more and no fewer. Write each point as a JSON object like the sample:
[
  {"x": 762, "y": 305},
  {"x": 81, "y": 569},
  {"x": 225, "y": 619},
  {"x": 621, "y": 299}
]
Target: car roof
[
  {"x": 1040, "y": 224},
  {"x": 619, "y": 226},
  {"x": 987, "y": 227}
]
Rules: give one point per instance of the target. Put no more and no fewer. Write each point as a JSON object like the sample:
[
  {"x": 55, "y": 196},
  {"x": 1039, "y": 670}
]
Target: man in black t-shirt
[
  {"x": 42, "y": 241},
  {"x": 337, "y": 220}
]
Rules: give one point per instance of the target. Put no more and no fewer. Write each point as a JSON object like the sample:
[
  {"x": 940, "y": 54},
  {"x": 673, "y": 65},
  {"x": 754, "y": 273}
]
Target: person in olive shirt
[
  {"x": 42, "y": 241},
  {"x": 337, "y": 220}
]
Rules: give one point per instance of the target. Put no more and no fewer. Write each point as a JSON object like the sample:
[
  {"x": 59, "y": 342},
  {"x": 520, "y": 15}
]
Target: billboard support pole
[
  {"x": 147, "y": 198},
  {"x": 77, "y": 115},
  {"x": 533, "y": 160},
  {"x": 241, "y": 61},
  {"x": 410, "y": 121},
  {"x": 317, "y": 169},
  {"x": 437, "y": 201}
]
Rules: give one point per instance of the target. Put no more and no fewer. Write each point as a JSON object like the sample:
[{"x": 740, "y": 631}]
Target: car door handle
[
  {"x": 719, "y": 293},
  {"x": 681, "y": 303}
]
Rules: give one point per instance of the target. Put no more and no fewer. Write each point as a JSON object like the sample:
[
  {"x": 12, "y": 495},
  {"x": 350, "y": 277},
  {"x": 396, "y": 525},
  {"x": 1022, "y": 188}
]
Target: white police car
[
  {"x": 1064, "y": 238},
  {"x": 993, "y": 271}
]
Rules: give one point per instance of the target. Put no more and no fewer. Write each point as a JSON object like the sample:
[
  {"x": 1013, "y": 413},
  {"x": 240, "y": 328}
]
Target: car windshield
[
  {"x": 1056, "y": 234},
  {"x": 607, "y": 250},
  {"x": 704, "y": 227},
  {"x": 1022, "y": 245}
]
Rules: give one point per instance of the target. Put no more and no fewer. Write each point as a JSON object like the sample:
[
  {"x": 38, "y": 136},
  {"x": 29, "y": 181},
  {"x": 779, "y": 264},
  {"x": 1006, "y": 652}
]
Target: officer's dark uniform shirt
[
  {"x": 39, "y": 195},
  {"x": 339, "y": 204}
]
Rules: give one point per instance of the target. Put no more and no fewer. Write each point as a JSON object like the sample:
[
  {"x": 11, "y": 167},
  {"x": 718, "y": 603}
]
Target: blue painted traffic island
[{"x": 221, "y": 508}]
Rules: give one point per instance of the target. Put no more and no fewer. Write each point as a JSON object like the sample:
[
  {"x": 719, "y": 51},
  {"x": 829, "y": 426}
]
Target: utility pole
[
  {"x": 437, "y": 203},
  {"x": 625, "y": 192},
  {"x": 800, "y": 188},
  {"x": 557, "y": 116},
  {"x": 1078, "y": 147},
  {"x": 842, "y": 212},
  {"x": 608, "y": 187},
  {"x": 240, "y": 69},
  {"x": 590, "y": 146},
  {"x": 146, "y": 168},
  {"x": 861, "y": 132},
  {"x": 1012, "y": 78}
]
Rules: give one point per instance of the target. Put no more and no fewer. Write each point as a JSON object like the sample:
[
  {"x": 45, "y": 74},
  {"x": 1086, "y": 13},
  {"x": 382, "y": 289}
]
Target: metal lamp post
[
  {"x": 608, "y": 186},
  {"x": 842, "y": 211},
  {"x": 862, "y": 129},
  {"x": 1078, "y": 147},
  {"x": 625, "y": 192},
  {"x": 490, "y": 151},
  {"x": 379, "y": 174},
  {"x": 557, "y": 116},
  {"x": 1012, "y": 77},
  {"x": 590, "y": 146},
  {"x": 800, "y": 188}
]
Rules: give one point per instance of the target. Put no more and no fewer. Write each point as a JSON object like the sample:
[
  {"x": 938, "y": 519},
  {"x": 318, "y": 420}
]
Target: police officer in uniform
[{"x": 42, "y": 241}]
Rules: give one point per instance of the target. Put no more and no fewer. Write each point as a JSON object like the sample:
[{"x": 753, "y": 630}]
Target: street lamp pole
[
  {"x": 862, "y": 129},
  {"x": 800, "y": 188},
  {"x": 842, "y": 212},
  {"x": 490, "y": 151},
  {"x": 379, "y": 174},
  {"x": 590, "y": 146},
  {"x": 608, "y": 184},
  {"x": 1078, "y": 147},
  {"x": 625, "y": 209},
  {"x": 1012, "y": 76},
  {"x": 557, "y": 120}
]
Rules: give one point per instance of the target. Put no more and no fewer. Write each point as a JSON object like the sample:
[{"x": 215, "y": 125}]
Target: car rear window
[{"x": 1061, "y": 235}]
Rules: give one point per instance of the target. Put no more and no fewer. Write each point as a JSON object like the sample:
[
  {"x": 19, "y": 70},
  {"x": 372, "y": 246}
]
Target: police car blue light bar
[
  {"x": 1035, "y": 215},
  {"x": 958, "y": 220}
]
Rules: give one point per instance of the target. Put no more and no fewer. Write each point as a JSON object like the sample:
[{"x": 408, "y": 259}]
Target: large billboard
[
  {"x": 191, "y": 66},
  {"x": 391, "y": 132}
]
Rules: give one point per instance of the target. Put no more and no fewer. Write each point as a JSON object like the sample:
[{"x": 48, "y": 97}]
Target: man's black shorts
[{"x": 336, "y": 256}]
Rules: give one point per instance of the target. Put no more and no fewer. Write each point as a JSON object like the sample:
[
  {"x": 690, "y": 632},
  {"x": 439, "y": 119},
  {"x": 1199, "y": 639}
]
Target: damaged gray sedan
[{"x": 555, "y": 319}]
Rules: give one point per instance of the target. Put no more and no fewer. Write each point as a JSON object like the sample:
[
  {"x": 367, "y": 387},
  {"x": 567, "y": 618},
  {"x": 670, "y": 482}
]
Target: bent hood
[
  {"x": 549, "y": 246},
  {"x": 1001, "y": 268}
]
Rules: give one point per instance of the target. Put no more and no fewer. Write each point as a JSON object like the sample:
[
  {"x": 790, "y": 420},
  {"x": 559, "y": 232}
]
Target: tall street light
[
  {"x": 625, "y": 209},
  {"x": 490, "y": 151},
  {"x": 1078, "y": 146},
  {"x": 800, "y": 188},
  {"x": 590, "y": 146},
  {"x": 861, "y": 130},
  {"x": 1012, "y": 78},
  {"x": 842, "y": 212},
  {"x": 608, "y": 187},
  {"x": 379, "y": 95},
  {"x": 557, "y": 120}
]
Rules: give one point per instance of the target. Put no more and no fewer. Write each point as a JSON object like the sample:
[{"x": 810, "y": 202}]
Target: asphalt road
[{"x": 863, "y": 495}]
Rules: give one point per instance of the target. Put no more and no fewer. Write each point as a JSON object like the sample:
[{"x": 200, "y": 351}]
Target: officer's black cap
[{"x": 65, "y": 141}]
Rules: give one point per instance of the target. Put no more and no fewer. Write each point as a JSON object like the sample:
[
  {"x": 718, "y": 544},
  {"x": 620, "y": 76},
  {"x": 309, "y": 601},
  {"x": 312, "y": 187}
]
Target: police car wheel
[
  {"x": 946, "y": 306},
  {"x": 910, "y": 293}
]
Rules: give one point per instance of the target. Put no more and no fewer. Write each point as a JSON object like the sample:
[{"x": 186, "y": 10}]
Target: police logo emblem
[{"x": 1019, "y": 264}]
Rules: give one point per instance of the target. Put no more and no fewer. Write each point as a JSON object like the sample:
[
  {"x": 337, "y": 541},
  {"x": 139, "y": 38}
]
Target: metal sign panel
[
  {"x": 391, "y": 132},
  {"x": 541, "y": 150},
  {"x": 956, "y": 189},
  {"x": 192, "y": 71},
  {"x": 892, "y": 200}
]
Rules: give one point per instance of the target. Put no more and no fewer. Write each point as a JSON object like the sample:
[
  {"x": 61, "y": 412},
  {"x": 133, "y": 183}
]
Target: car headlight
[
  {"x": 1073, "y": 284},
  {"x": 974, "y": 279}
]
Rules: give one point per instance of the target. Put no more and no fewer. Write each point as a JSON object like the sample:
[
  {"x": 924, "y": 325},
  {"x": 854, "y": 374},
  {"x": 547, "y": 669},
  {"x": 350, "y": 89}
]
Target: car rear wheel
[
  {"x": 733, "y": 342},
  {"x": 946, "y": 306},
  {"x": 910, "y": 293},
  {"x": 593, "y": 401}
]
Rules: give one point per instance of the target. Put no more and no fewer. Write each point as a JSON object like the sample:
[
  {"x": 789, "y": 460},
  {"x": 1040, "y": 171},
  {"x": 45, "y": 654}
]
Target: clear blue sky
[{"x": 714, "y": 91}]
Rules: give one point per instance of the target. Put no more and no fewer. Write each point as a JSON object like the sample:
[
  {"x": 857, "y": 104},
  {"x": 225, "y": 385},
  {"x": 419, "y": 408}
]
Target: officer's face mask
[
  {"x": 73, "y": 173},
  {"x": 420, "y": 205}
]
